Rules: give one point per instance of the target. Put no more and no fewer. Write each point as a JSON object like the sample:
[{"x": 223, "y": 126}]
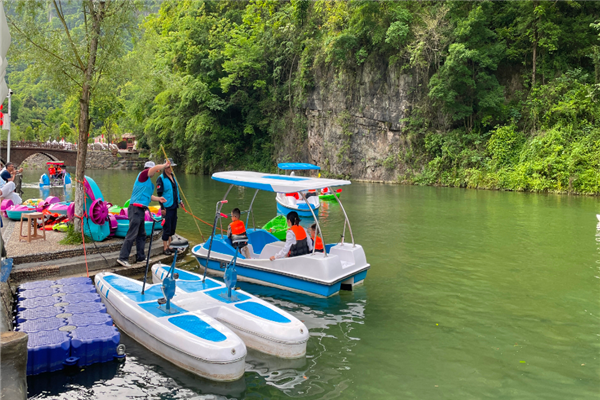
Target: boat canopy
[
  {"x": 55, "y": 163},
  {"x": 297, "y": 166},
  {"x": 276, "y": 183}
]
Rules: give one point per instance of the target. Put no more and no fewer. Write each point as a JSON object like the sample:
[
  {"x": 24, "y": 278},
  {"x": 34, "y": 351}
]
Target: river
[{"x": 471, "y": 294}]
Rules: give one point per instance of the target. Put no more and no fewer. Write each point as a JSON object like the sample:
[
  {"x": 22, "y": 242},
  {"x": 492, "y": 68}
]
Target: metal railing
[{"x": 38, "y": 145}]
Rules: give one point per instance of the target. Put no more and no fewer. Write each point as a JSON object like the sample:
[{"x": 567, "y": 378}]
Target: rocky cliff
[{"x": 354, "y": 125}]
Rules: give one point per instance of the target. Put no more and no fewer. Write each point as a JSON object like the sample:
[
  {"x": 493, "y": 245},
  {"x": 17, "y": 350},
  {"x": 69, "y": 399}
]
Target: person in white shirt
[
  {"x": 7, "y": 192},
  {"x": 297, "y": 241}
]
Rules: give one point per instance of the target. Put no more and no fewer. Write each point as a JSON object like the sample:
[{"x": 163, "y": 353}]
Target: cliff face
[{"x": 355, "y": 121}]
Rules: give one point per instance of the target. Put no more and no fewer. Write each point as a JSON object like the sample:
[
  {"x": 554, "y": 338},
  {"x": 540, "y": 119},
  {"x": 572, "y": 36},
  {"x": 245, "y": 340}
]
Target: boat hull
[
  {"x": 16, "y": 215},
  {"x": 208, "y": 360},
  {"x": 302, "y": 213},
  {"x": 286, "y": 338},
  {"x": 328, "y": 197},
  {"x": 314, "y": 275}
]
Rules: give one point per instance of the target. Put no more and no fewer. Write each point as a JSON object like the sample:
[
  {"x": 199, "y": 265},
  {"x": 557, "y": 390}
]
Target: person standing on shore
[
  {"x": 166, "y": 186},
  {"x": 140, "y": 199}
]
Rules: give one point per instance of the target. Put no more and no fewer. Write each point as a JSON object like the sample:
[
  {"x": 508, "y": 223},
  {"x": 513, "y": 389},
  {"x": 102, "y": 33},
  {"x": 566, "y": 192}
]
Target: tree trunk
[
  {"x": 534, "y": 62},
  {"x": 84, "y": 115},
  {"x": 535, "y": 42}
]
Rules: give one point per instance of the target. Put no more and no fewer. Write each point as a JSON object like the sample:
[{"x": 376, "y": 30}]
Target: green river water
[{"x": 471, "y": 295}]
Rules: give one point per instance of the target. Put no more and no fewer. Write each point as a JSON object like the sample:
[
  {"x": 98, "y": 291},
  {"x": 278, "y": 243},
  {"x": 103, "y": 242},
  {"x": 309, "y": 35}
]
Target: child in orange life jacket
[
  {"x": 314, "y": 235},
  {"x": 237, "y": 231}
]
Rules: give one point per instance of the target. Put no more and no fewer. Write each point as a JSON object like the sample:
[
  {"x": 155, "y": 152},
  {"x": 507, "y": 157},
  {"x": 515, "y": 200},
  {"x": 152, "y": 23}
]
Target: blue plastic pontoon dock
[{"x": 66, "y": 324}]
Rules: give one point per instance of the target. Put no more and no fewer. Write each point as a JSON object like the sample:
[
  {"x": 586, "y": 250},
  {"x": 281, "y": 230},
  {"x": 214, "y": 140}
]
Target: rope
[
  {"x": 184, "y": 198},
  {"x": 87, "y": 271},
  {"x": 222, "y": 230}
]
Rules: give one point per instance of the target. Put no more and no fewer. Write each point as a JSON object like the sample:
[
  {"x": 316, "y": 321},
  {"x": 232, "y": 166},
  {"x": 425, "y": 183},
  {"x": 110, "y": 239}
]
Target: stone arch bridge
[{"x": 19, "y": 151}]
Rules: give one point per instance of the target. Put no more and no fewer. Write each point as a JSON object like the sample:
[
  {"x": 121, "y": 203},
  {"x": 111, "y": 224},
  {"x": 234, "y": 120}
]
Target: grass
[{"x": 73, "y": 237}]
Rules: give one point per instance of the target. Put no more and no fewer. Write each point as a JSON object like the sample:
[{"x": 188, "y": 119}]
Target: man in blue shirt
[
  {"x": 140, "y": 199},
  {"x": 166, "y": 186}
]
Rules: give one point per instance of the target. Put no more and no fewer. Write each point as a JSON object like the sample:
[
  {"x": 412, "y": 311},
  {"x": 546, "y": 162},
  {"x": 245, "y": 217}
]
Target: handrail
[
  {"x": 347, "y": 220},
  {"x": 250, "y": 211},
  {"x": 318, "y": 227}
]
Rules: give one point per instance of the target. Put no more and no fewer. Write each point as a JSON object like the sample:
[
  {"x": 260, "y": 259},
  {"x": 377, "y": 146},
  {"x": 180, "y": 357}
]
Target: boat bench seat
[
  {"x": 258, "y": 238},
  {"x": 133, "y": 289}
]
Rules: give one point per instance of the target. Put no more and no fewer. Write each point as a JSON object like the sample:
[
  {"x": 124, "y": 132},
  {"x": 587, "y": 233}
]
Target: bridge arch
[
  {"x": 20, "y": 151},
  {"x": 48, "y": 155}
]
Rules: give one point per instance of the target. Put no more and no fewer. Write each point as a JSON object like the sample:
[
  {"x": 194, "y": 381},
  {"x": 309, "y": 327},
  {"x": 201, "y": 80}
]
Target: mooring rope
[{"x": 183, "y": 194}]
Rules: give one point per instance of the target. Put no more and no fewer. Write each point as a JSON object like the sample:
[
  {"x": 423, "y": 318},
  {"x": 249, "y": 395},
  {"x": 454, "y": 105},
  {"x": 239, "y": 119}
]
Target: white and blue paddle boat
[
  {"x": 341, "y": 266},
  {"x": 194, "y": 322},
  {"x": 293, "y": 201}
]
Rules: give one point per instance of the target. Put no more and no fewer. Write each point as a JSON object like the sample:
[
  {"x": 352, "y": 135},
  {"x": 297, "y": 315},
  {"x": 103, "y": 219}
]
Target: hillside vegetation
[{"x": 506, "y": 94}]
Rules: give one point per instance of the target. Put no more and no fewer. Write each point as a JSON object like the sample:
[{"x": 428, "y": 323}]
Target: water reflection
[
  {"x": 330, "y": 322},
  {"x": 78, "y": 380}
]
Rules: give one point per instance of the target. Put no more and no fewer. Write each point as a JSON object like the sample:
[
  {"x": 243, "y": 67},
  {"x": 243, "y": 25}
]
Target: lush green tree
[{"x": 76, "y": 45}]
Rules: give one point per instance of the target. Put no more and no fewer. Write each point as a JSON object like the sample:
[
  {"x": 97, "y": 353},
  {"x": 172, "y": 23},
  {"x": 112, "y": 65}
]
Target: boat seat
[
  {"x": 221, "y": 295},
  {"x": 259, "y": 238},
  {"x": 160, "y": 310},
  {"x": 187, "y": 281},
  {"x": 263, "y": 312},
  {"x": 133, "y": 289},
  {"x": 197, "y": 327},
  {"x": 196, "y": 286}
]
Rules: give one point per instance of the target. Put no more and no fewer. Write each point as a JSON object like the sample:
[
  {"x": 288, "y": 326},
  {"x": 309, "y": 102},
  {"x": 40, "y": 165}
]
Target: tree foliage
[{"x": 501, "y": 89}]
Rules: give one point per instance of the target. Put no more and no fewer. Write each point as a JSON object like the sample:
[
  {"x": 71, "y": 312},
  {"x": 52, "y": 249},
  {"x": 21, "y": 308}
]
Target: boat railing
[
  {"x": 318, "y": 227},
  {"x": 250, "y": 210},
  {"x": 347, "y": 221}
]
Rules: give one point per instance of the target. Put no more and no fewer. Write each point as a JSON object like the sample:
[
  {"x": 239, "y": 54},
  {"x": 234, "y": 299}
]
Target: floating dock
[{"x": 67, "y": 325}]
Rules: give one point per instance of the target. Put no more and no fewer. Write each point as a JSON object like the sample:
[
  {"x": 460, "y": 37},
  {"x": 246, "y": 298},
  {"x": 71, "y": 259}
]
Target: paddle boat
[
  {"x": 56, "y": 175},
  {"x": 14, "y": 212},
  {"x": 183, "y": 319},
  {"x": 150, "y": 224},
  {"x": 60, "y": 207},
  {"x": 303, "y": 205},
  {"x": 277, "y": 227},
  {"x": 261, "y": 325},
  {"x": 342, "y": 266},
  {"x": 328, "y": 195}
]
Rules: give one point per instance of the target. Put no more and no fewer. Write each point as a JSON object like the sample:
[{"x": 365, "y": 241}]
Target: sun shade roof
[
  {"x": 275, "y": 183},
  {"x": 55, "y": 163},
  {"x": 297, "y": 165}
]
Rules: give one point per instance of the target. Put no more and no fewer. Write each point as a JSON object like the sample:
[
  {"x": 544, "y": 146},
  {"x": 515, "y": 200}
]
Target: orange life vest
[
  {"x": 318, "y": 243},
  {"x": 301, "y": 246},
  {"x": 238, "y": 236},
  {"x": 237, "y": 227}
]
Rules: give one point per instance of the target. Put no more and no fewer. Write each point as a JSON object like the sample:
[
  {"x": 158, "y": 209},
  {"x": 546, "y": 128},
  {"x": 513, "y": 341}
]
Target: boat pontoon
[
  {"x": 342, "y": 266},
  {"x": 194, "y": 322}
]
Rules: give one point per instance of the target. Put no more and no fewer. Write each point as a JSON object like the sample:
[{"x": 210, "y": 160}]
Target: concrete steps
[{"x": 75, "y": 266}]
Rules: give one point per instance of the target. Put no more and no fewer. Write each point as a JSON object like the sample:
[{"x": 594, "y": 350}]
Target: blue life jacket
[
  {"x": 142, "y": 191},
  {"x": 168, "y": 191}
]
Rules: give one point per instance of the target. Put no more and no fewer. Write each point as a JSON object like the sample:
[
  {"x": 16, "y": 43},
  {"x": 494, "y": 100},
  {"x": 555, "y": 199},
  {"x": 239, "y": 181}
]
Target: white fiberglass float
[
  {"x": 191, "y": 322},
  {"x": 341, "y": 266},
  {"x": 261, "y": 325}
]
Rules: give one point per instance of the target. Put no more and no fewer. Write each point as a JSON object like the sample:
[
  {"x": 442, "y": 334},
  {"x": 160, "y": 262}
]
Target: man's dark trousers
[{"x": 136, "y": 232}]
